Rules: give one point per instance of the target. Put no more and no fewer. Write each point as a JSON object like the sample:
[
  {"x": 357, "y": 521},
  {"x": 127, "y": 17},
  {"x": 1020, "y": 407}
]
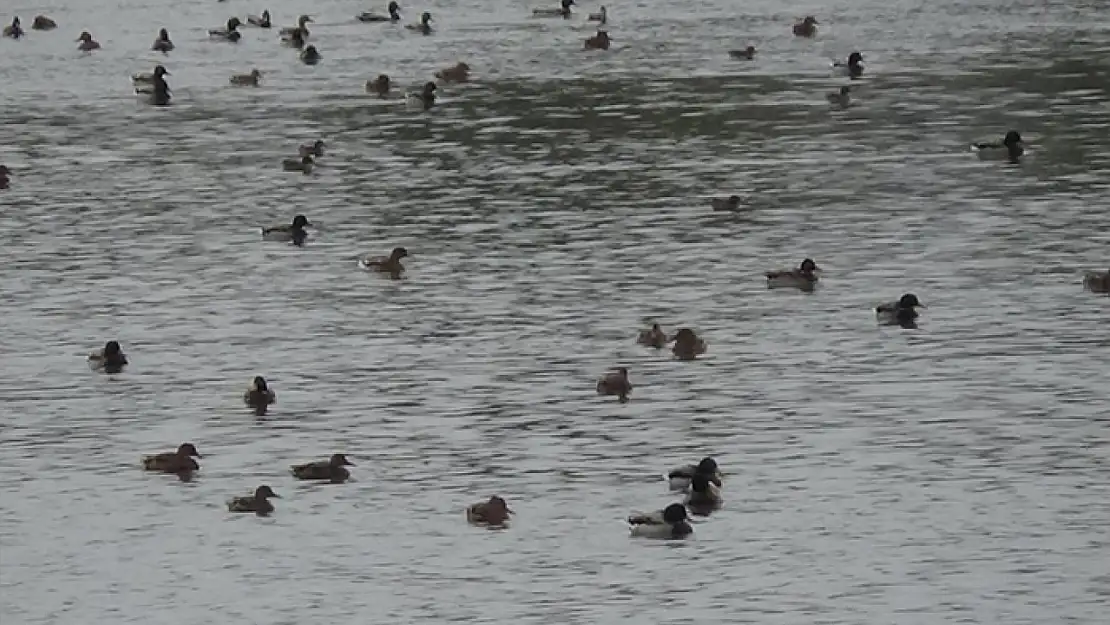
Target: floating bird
[
  {"x": 563, "y": 11},
  {"x": 258, "y": 503},
  {"x": 246, "y": 80},
  {"x": 288, "y": 233},
  {"x": 228, "y": 33},
  {"x": 680, "y": 478},
  {"x": 840, "y": 98},
  {"x": 460, "y": 72},
  {"x": 394, "y": 16},
  {"x": 1097, "y": 282},
  {"x": 852, "y": 69},
  {"x": 902, "y": 312},
  {"x": 162, "y": 43},
  {"x": 110, "y": 358},
  {"x": 379, "y": 86},
  {"x": 600, "y": 41},
  {"x": 804, "y": 277},
  {"x": 1011, "y": 148},
  {"x": 88, "y": 44},
  {"x": 730, "y": 203},
  {"x": 41, "y": 22},
  {"x": 386, "y": 264},
  {"x": 670, "y": 522},
  {"x": 333, "y": 470},
  {"x": 14, "y": 30},
  {"x": 747, "y": 54},
  {"x": 687, "y": 345},
  {"x": 425, "y": 25},
  {"x": 652, "y": 337},
  {"x": 806, "y": 27},
  {"x": 259, "y": 395},
  {"x": 261, "y": 22},
  {"x": 180, "y": 461},
  {"x": 615, "y": 383},
  {"x": 493, "y": 513}
]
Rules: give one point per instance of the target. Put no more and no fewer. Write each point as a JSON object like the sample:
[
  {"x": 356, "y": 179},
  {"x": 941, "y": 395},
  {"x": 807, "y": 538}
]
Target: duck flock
[{"x": 700, "y": 482}]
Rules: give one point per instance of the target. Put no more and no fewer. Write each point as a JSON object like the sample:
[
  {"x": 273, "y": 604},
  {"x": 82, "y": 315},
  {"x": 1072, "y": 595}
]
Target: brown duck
[
  {"x": 386, "y": 264},
  {"x": 615, "y": 383},
  {"x": 331, "y": 470},
  {"x": 492, "y": 513},
  {"x": 259, "y": 502},
  {"x": 180, "y": 461}
]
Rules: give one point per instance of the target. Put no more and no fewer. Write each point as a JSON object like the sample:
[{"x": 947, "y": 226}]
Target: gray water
[{"x": 951, "y": 474}]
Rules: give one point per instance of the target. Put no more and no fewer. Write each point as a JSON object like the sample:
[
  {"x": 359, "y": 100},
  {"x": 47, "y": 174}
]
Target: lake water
[{"x": 956, "y": 473}]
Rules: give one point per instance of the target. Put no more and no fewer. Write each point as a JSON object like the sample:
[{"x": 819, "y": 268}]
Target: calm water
[{"x": 952, "y": 474}]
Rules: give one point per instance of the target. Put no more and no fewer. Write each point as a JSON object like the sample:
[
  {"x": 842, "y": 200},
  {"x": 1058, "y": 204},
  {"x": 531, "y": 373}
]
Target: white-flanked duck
[
  {"x": 601, "y": 16},
  {"x": 394, "y": 15},
  {"x": 841, "y": 98},
  {"x": 680, "y": 478},
  {"x": 563, "y": 11},
  {"x": 14, "y": 30},
  {"x": 153, "y": 84},
  {"x": 853, "y": 68},
  {"x": 41, "y": 22},
  {"x": 668, "y": 523},
  {"x": 261, "y": 21},
  {"x": 423, "y": 99},
  {"x": 162, "y": 43},
  {"x": 425, "y": 25},
  {"x": 88, "y": 44},
  {"x": 1011, "y": 148},
  {"x": 804, "y": 277},
  {"x": 246, "y": 80},
  {"x": 294, "y": 233},
  {"x": 229, "y": 32},
  {"x": 902, "y": 312}
]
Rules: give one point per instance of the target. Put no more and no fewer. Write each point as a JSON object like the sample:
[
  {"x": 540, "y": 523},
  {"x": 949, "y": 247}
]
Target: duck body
[
  {"x": 1096, "y": 282},
  {"x": 902, "y": 312},
  {"x": 259, "y": 395},
  {"x": 228, "y": 33},
  {"x": 600, "y": 41},
  {"x": 296, "y": 35},
  {"x": 424, "y": 99},
  {"x": 687, "y": 345},
  {"x": 162, "y": 43},
  {"x": 747, "y": 54},
  {"x": 310, "y": 56},
  {"x": 262, "y": 21},
  {"x": 14, "y": 30},
  {"x": 294, "y": 233},
  {"x": 563, "y": 11},
  {"x": 303, "y": 164},
  {"x": 615, "y": 383},
  {"x": 1011, "y": 148},
  {"x": 4, "y": 180},
  {"x": 153, "y": 85},
  {"x": 493, "y": 513},
  {"x": 394, "y": 14},
  {"x": 652, "y": 337},
  {"x": 258, "y": 503},
  {"x": 332, "y": 470},
  {"x": 41, "y": 22},
  {"x": 110, "y": 358},
  {"x": 386, "y": 264},
  {"x": 246, "y": 80},
  {"x": 669, "y": 523},
  {"x": 460, "y": 72},
  {"x": 680, "y": 478},
  {"x": 806, "y": 27},
  {"x": 804, "y": 277},
  {"x": 425, "y": 25},
  {"x": 730, "y": 203},
  {"x": 853, "y": 68},
  {"x": 380, "y": 86},
  {"x": 180, "y": 461},
  {"x": 88, "y": 44}
]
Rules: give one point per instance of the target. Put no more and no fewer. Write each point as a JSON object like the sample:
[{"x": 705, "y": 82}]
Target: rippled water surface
[{"x": 956, "y": 473}]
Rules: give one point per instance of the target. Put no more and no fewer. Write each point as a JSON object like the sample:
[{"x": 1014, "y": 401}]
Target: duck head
[
  {"x": 749, "y": 52},
  {"x": 909, "y": 300},
  {"x": 163, "y": 35},
  {"x": 266, "y": 16},
  {"x": 810, "y": 20},
  {"x": 259, "y": 383},
  {"x": 111, "y": 348},
  {"x": 425, "y": 18},
  {"x": 300, "y": 221},
  {"x": 265, "y": 492},
  {"x": 160, "y": 71},
  {"x": 566, "y": 4},
  {"x": 855, "y": 58},
  {"x": 1012, "y": 138},
  {"x": 429, "y": 90},
  {"x": 302, "y": 20},
  {"x": 381, "y": 84},
  {"x": 188, "y": 449},
  {"x": 707, "y": 466},
  {"x": 339, "y": 460},
  {"x": 311, "y": 52},
  {"x": 808, "y": 266},
  {"x": 85, "y": 37},
  {"x": 700, "y": 483},
  {"x": 255, "y": 74},
  {"x": 394, "y": 9},
  {"x": 398, "y": 253},
  {"x": 233, "y": 24},
  {"x": 674, "y": 513},
  {"x": 845, "y": 90}
]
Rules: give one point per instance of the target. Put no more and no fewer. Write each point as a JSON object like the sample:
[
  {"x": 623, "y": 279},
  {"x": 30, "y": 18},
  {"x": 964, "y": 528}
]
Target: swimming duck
[
  {"x": 493, "y": 513},
  {"x": 304, "y": 164},
  {"x": 615, "y": 383},
  {"x": 228, "y": 33},
  {"x": 180, "y": 461},
  {"x": 386, "y": 264},
  {"x": 804, "y": 277},
  {"x": 331, "y": 470},
  {"x": 423, "y": 99},
  {"x": 600, "y": 41},
  {"x": 394, "y": 14},
  {"x": 670, "y": 522},
  {"x": 294, "y": 232},
  {"x": 1011, "y": 148},
  {"x": 294, "y": 39},
  {"x": 310, "y": 56},
  {"x": 110, "y": 358},
  {"x": 258, "y": 503},
  {"x": 901, "y": 312},
  {"x": 1097, "y": 282},
  {"x": 563, "y": 11},
  {"x": 160, "y": 89},
  {"x": 852, "y": 69},
  {"x": 316, "y": 148},
  {"x": 379, "y": 86},
  {"x": 425, "y": 25},
  {"x": 729, "y": 203},
  {"x": 259, "y": 395},
  {"x": 41, "y": 22},
  {"x": 601, "y": 16},
  {"x": 4, "y": 172},
  {"x": 246, "y": 80},
  {"x": 840, "y": 98},
  {"x": 806, "y": 27},
  {"x": 460, "y": 72},
  {"x": 300, "y": 30},
  {"x": 261, "y": 22},
  {"x": 143, "y": 82},
  {"x": 746, "y": 54},
  {"x": 680, "y": 478},
  {"x": 162, "y": 43},
  {"x": 687, "y": 345},
  {"x": 652, "y": 337},
  {"x": 15, "y": 30},
  {"x": 704, "y": 495},
  {"x": 88, "y": 44}
]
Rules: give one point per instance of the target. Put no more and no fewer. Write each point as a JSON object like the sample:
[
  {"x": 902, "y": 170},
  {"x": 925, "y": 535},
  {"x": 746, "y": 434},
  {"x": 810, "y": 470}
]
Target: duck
[
  {"x": 840, "y": 98},
  {"x": 600, "y": 41},
  {"x": 386, "y": 264},
  {"x": 601, "y": 16},
  {"x": 394, "y": 16},
  {"x": 180, "y": 461},
  {"x": 110, "y": 358},
  {"x": 747, "y": 54},
  {"x": 616, "y": 383},
  {"x": 258, "y": 503},
  {"x": 4, "y": 179},
  {"x": 652, "y": 337},
  {"x": 687, "y": 345},
  {"x": 229, "y": 32},
  {"x": 1097, "y": 282},
  {"x": 144, "y": 82},
  {"x": 88, "y": 44},
  {"x": 425, "y": 25},
  {"x": 379, "y": 86},
  {"x": 41, "y": 22},
  {"x": 460, "y": 72},
  {"x": 852, "y": 69},
  {"x": 294, "y": 39},
  {"x": 806, "y": 27},
  {"x": 15, "y": 30},
  {"x": 262, "y": 21},
  {"x": 680, "y": 478},
  {"x": 294, "y": 233},
  {"x": 309, "y": 56},
  {"x": 704, "y": 495},
  {"x": 162, "y": 43},
  {"x": 160, "y": 92},
  {"x": 303, "y": 164},
  {"x": 300, "y": 29},
  {"x": 730, "y": 203},
  {"x": 423, "y": 99},
  {"x": 259, "y": 395},
  {"x": 902, "y": 312},
  {"x": 493, "y": 513},
  {"x": 804, "y": 277},
  {"x": 563, "y": 11},
  {"x": 668, "y": 523},
  {"x": 246, "y": 80},
  {"x": 316, "y": 148},
  {"x": 1011, "y": 148},
  {"x": 332, "y": 469}
]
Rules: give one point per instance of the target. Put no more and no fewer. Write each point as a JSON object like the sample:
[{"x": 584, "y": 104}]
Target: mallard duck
[
  {"x": 15, "y": 30},
  {"x": 332, "y": 469},
  {"x": 300, "y": 29},
  {"x": 493, "y": 513},
  {"x": 286, "y": 233},
  {"x": 394, "y": 14},
  {"x": 670, "y": 522},
  {"x": 4, "y": 180},
  {"x": 460, "y": 72},
  {"x": 806, "y": 27},
  {"x": 162, "y": 43},
  {"x": 687, "y": 345},
  {"x": 246, "y": 80},
  {"x": 309, "y": 56},
  {"x": 1097, "y": 282},
  {"x": 110, "y": 358},
  {"x": 259, "y": 395},
  {"x": 41, "y": 22},
  {"x": 316, "y": 148},
  {"x": 704, "y": 495},
  {"x": 730, "y": 203},
  {"x": 600, "y": 41},
  {"x": 615, "y": 383},
  {"x": 563, "y": 11},
  {"x": 747, "y": 54},
  {"x": 840, "y": 98},
  {"x": 852, "y": 69},
  {"x": 425, "y": 25},
  {"x": 804, "y": 277},
  {"x": 180, "y": 461},
  {"x": 261, "y": 22},
  {"x": 601, "y": 16},
  {"x": 258, "y": 503},
  {"x": 386, "y": 264},
  {"x": 1011, "y": 148},
  {"x": 901, "y": 312},
  {"x": 423, "y": 99},
  {"x": 88, "y": 44},
  {"x": 303, "y": 164},
  {"x": 652, "y": 337},
  {"x": 680, "y": 478},
  {"x": 379, "y": 86},
  {"x": 228, "y": 33}
]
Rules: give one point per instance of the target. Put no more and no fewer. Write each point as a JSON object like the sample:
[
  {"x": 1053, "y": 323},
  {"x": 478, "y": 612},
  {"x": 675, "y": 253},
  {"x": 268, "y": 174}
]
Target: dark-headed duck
[
  {"x": 493, "y": 513},
  {"x": 110, "y": 358},
  {"x": 386, "y": 264},
  {"x": 286, "y": 233},
  {"x": 258, "y": 503},
  {"x": 180, "y": 461},
  {"x": 332, "y": 469}
]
